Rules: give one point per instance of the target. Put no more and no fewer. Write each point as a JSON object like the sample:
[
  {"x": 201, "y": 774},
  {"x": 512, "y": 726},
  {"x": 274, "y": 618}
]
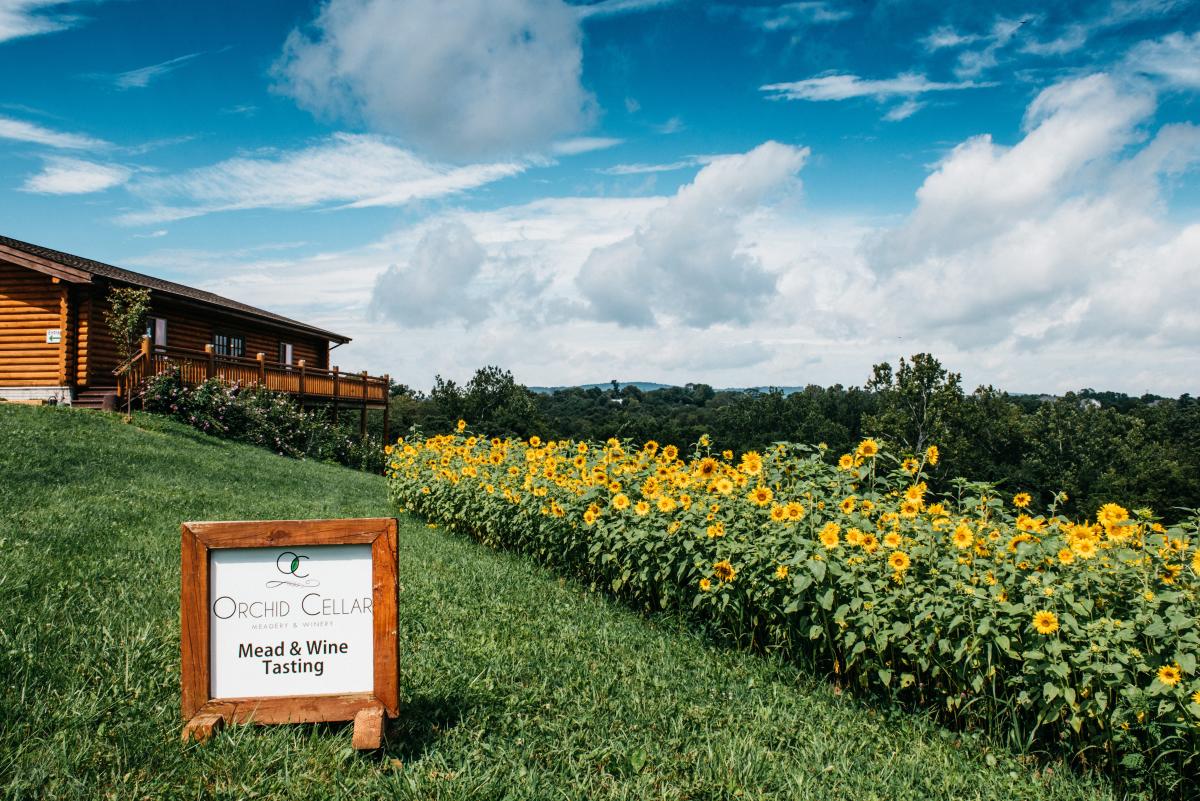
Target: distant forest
[{"x": 1095, "y": 446}]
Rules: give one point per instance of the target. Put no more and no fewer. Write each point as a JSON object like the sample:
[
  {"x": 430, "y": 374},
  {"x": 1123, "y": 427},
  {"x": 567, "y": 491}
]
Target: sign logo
[{"x": 290, "y": 564}]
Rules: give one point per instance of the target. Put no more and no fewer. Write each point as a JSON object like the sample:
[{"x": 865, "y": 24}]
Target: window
[
  {"x": 156, "y": 330},
  {"x": 285, "y": 353},
  {"x": 229, "y": 344}
]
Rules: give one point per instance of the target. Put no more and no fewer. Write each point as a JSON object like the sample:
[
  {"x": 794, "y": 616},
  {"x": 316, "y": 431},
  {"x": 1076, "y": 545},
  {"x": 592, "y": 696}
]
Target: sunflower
[
  {"x": 910, "y": 466},
  {"x": 1022, "y": 500},
  {"x": 724, "y": 570},
  {"x": 845, "y": 461},
  {"x": 641, "y": 508},
  {"x": 723, "y": 485},
  {"x": 535, "y": 441},
  {"x": 461, "y": 425},
  {"x": 867, "y": 448},
  {"x": 829, "y": 535},
  {"x": 1111, "y": 514},
  {"x": 1084, "y": 548},
  {"x": 963, "y": 536},
  {"x": 706, "y": 466},
  {"x": 910, "y": 508},
  {"x": 716, "y": 529},
  {"x": 1066, "y": 556},
  {"x": 666, "y": 504},
  {"x": 620, "y": 501},
  {"x": 847, "y": 505},
  {"x": 854, "y": 536},
  {"x": 760, "y": 496},
  {"x": 932, "y": 454},
  {"x": 794, "y": 510},
  {"x": 751, "y": 463},
  {"x": 670, "y": 453},
  {"x": 727, "y": 455},
  {"x": 1045, "y": 622},
  {"x": 705, "y": 585},
  {"x": 899, "y": 561},
  {"x": 778, "y": 513},
  {"x": 869, "y": 543},
  {"x": 891, "y": 540},
  {"x": 651, "y": 447},
  {"x": 1170, "y": 675},
  {"x": 781, "y": 573}
]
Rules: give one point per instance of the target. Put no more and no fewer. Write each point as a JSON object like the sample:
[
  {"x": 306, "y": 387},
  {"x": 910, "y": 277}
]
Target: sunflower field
[{"x": 1066, "y": 637}]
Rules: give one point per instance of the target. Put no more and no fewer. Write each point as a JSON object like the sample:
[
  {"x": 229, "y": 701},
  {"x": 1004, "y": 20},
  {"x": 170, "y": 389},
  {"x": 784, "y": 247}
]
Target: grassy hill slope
[{"x": 514, "y": 684}]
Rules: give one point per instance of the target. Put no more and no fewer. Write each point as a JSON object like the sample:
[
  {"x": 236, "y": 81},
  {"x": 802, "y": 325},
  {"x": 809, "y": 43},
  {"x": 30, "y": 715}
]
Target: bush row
[{"x": 260, "y": 417}]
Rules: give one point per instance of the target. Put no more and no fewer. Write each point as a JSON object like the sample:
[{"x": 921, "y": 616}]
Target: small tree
[{"x": 128, "y": 311}]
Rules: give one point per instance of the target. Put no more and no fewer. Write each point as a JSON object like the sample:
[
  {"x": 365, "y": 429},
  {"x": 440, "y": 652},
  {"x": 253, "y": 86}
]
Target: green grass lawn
[{"x": 514, "y": 684}]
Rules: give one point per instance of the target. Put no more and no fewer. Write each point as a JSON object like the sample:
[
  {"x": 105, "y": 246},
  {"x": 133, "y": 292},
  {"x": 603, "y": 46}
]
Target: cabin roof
[{"x": 99, "y": 268}]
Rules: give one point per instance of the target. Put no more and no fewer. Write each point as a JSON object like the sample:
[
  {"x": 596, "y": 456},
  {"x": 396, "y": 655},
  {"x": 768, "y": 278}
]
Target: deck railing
[{"x": 307, "y": 384}]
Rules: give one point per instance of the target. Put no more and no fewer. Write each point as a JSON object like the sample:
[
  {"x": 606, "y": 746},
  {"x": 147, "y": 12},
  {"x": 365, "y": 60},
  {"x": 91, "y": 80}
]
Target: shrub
[
  {"x": 1060, "y": 636},
  {"x": 260, "y": 417}
]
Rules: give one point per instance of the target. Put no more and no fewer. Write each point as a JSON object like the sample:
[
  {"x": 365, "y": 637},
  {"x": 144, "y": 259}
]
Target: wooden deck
[{"x": 310, "y": 386}]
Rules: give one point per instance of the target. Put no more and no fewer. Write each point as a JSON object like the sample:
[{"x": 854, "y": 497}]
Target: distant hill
[{"x": 650, "y": 386}]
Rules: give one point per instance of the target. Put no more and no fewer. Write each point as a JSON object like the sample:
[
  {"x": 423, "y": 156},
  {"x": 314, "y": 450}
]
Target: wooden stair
[{"x": 93, "y": 397}]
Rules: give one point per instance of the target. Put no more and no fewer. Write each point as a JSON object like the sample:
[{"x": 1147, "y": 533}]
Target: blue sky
[{"x": 738, "y": 193}]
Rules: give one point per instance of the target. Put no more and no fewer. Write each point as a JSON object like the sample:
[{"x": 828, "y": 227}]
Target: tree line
[{"x": 1095, "y": 446}]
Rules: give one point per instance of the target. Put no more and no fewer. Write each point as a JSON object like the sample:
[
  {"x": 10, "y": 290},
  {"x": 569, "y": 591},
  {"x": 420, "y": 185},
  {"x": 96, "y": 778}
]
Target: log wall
[{"x": 30, "y": 304}]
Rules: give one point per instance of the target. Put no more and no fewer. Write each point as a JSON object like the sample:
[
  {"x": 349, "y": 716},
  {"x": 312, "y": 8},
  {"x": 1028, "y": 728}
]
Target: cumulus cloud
[
  {"x": 21, "y": 131},
  {"x": 1062, "y": 238},
  {"x": 63, "y": 176},
  {"x": 461, "y": 81},
  {"x": 433, "y": 287},
  {"x": 347, "y": 169},
  {"x": 685, "y": 261}
]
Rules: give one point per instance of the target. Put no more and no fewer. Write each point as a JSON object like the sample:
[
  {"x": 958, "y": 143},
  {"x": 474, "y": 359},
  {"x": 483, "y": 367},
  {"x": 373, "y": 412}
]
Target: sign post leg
[
  {"x": 203, "y": 726},
  {"x": 368, "y": 729}
]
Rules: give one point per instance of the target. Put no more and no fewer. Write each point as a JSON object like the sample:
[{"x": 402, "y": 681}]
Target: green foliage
[
  {"x": 1063, "y": 637},
  {"x": 1092, "y": 445},
  {"x": 260, "y": 417},
  {"x": 126, "y": 318},
  {"x": 514, "y": 685}
]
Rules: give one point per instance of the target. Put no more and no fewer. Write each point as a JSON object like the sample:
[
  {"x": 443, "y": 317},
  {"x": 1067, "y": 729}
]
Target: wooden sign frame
[{"x": 205, "y": 714}]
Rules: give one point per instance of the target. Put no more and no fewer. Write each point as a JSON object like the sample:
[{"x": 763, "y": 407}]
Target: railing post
[
  {"x": 262, "y": 370},
  {"x": 362, "y": 426},
  {"x": 211, "y": 371},
  {"x": 335, "y": 395},
  {"x": 387, "y": 407},
  {"x": 301, "y": 365}
]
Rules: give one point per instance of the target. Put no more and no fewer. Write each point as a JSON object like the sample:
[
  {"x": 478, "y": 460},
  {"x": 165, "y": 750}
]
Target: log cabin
[{"x": 55, "y": 345}]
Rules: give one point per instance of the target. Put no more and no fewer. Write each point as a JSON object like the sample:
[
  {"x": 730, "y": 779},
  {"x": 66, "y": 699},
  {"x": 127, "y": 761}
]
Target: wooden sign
[{"x": 289, "y": 621}]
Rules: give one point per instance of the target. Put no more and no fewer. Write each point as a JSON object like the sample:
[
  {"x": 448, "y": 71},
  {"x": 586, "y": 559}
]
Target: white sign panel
[
  {"x": 53, "y": 336},
  {"x": 290, "y": 621}
]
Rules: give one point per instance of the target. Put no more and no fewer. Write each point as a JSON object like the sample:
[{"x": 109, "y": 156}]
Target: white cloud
[
  {"x": 1061, "y": 241},
  {"x": 19, "y": 18},
  {"x": 352, "y": 170},
  {"x": 433, "y": 286},
  {"x": 686, "y": 261},
  {"x": 644, "y": 169},
  {"x": 63, "y": 176},
  {"x": 460, "y": 81},
  {"x": 141, "y": 77},
  {"x": 790, "y": 16},
  {"x": 608, "y": 8},
  {"x": 1048, "y": 263},
  {"x": 845, "y": 87},
  {"x": 1174, "y": 59},
  {"x": 904, "y": 110},
  {"x": 584, "y": 144},
  {"x": 21, "y": 131}
]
